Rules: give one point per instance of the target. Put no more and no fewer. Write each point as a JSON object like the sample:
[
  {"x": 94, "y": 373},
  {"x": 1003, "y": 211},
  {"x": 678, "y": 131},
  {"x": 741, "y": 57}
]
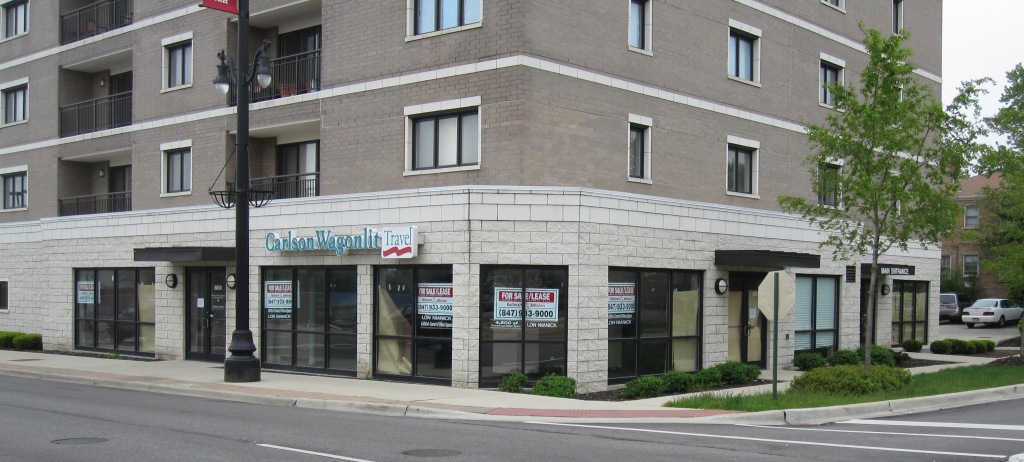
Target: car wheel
[
  {"x": 1002, "y": 321},
  {"x": 970, "y": 325}
]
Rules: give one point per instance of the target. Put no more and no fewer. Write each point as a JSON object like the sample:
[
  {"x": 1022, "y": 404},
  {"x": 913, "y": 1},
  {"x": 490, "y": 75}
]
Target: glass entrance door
[
  {"x": 205, "y": 304},
  {"x": 746, "y": 323}
]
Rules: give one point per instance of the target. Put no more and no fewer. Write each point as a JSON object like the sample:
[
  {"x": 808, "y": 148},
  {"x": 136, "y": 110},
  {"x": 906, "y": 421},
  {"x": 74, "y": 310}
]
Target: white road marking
[
  {"x": 766, "y": 440},
  {"x": 936, "y": 435},
  {"x": 303, "y": 451},
  {"x": 911, "y": 423}
]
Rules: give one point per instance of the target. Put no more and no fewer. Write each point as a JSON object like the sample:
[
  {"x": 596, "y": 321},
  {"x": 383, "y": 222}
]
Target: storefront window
[
  {"x": 115, "y": 310},
  {"x": 309, "y": 318},
  {"x": 414, "y": 322},
  {"x": 910, "y": 311},
  {"x": 817, "y": 302},
  {"x": 530, "y": 340},
  {"x": 653, "y": 322}
]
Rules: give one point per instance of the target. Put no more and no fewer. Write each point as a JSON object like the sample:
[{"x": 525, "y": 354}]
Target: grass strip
[{"x": 928, "y": 384}]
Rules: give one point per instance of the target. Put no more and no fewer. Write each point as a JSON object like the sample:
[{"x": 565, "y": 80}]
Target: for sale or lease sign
[
  {"x": 434, "y": 305},
  {"x": 230, "y": 6},
  {"x": 621, "y": 303},
  {"x": 541, "y": 307},
  {"x": 277, "y": 299}
]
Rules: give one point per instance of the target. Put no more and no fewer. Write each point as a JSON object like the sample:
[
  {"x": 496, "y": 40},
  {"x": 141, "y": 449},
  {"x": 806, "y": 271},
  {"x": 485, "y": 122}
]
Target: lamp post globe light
[{"x": 242, "y": 365}]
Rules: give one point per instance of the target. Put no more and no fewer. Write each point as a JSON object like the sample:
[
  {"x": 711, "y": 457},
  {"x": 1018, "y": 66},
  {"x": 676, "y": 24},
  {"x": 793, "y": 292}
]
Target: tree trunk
[{"x": 869, "y": 327}]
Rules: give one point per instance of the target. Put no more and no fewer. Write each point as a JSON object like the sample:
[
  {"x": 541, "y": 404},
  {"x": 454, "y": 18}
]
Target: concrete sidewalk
[{"x": 201, "y": 379}]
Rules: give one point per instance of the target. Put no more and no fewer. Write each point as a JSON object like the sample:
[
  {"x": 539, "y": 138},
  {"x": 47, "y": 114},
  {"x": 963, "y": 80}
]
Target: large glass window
[
  {"x": 15, "y": 191},
  {"x": 816, "y": 308},
  {"x": 414, "y": 322},
  {"x": 654, "y": 322},
  {"x": 435, "y": 15},
  {"x": 309, "y": 318},
  {"x": 115, "y": 310},
  {"x": 15, "y": 18},
  {"x": 15, "y": 102},
  {"x": 530, "y": 339},
  {"x": 448, "y": 140},
  {"x": 909, "y": 311},
  {"x": 298, "y": 165}
]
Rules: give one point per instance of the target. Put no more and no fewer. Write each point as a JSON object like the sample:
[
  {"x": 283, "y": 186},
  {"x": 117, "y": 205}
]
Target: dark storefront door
[
  {"x": 206, "y": 300},
  {"x": 746, "y": 333}
]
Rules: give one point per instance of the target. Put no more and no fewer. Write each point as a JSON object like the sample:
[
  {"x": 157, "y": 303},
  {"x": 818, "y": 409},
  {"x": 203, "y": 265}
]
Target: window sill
[
  {"x": 748, "y": 196},
  {"x": 12, "y": 37},
  {"x": 22, "y": 209},
  {"x": 640, "y": 180},
  {"x": 179, "y": 87},
  {"x": 827, "y": 106},
  {"x": 20, "y": 122},
  {"x": 837, "y": 8},
  {"x": 452, "y": 30},
  {"x": 642, "y": 51},
  {"x": 176, "y": 194},
  {"x": 748, "y": 82},
  {"x": 441, "y": 170}
]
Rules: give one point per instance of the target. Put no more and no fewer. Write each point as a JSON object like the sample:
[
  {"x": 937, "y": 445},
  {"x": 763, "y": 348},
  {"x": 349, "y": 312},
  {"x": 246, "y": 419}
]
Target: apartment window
[
  {"x": 837, "y": 4},
  {"x": 15, "y": 191},
  {"x": 446, "y": 140},
  {"x": 639, "y": 147},
  {"x": 830, "y": 74},
  {"x": 436, "y": 15},
  {"x": 744, "y": 51},
  {"x": 946, "y": 266},
  {"x": 640, "y": 24},
  {"x": 15, "y": 104},
  {"x": 971, "y": 265},
  {"x": 897, "y": 16},
  {"x": 15, "y": 18},
  {"x": 5, "y": 298},
  {"x": 828, "y": 185},
  {"x": 740, "y": 171},
  {"x": 970, "y": 216},
  {"x": 178, "y": 169},
  {"x": 178, "y": 67},
  {"x": 816, "y": 308}
]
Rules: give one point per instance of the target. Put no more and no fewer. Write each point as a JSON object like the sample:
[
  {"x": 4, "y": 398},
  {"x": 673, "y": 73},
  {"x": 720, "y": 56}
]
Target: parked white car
[{"x": 994, "y": 311}]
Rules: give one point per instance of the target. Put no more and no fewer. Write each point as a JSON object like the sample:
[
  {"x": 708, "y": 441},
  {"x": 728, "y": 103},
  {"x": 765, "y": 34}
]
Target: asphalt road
[{"x": 55, "y": 421}]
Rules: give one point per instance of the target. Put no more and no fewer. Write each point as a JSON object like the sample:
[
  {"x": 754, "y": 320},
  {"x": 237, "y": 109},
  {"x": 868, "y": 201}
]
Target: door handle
[{"x": 204, "y": 323}]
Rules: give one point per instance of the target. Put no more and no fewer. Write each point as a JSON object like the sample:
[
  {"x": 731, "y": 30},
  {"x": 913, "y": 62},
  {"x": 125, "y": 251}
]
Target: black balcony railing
[
  {"x": 97, "y": 203},
  {"x": 95, "y": 115},
  {"x": 95, "y": 19},
  {"x": 292, "y": 75},
  {"x": 289, "y": 186}
]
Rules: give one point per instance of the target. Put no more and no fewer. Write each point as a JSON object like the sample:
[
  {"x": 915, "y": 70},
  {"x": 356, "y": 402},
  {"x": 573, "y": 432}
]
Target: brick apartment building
[
  {"x": 963, "y": 255},
  {"x": 613, "y": 164}
]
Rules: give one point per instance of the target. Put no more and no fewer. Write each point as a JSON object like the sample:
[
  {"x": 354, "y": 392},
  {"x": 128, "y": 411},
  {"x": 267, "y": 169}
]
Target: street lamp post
[{"x": 242, "y": 365}]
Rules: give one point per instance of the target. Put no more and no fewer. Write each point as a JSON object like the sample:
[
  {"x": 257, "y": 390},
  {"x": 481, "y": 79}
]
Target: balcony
[
  {"x": 289, "y": 186},
  {"x": 95, "y": 19},
  {"x": 292, "y": 75},
  {"x": 95, "y": 115},
  {"x": 96, "y": 203}
]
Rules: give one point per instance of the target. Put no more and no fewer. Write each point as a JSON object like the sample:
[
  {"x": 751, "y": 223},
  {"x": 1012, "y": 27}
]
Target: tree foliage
[{"x": 900, "y": 156}]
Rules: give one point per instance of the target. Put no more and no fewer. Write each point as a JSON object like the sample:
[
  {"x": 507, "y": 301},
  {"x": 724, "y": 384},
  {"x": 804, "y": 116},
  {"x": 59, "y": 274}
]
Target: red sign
[{"x": 230, "y": 6}]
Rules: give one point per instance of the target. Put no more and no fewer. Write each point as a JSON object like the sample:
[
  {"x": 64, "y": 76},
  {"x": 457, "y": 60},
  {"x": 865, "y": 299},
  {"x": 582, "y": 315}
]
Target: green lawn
[{"x": 928, "y": 384}]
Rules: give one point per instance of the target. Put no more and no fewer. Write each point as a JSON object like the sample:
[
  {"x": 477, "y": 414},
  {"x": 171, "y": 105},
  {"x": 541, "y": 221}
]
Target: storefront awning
[
  {"x": 887, "y": 269},
  {"x": 766, "y": 258},
  {"x": 186, "y": 254}
]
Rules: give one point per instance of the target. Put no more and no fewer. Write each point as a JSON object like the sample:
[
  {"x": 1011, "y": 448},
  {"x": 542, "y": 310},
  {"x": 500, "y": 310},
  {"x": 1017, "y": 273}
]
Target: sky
[{"x": 979, "y": 39}]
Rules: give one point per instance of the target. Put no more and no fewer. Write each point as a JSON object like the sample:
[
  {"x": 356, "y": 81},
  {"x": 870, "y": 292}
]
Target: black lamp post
[{"x": 242, "y": 365}]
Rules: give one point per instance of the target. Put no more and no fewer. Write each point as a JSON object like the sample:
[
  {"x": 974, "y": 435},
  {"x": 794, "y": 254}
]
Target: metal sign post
[{"x": 781, "y": 289}]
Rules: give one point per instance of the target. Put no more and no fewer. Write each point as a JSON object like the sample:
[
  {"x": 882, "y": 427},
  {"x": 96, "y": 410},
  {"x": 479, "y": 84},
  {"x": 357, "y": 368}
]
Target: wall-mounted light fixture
[
  {"x": 721, "y": 286},
  {"x": 231, "y": 281},
  {"x": 886, "y": 289},
  {"x": 103, "y": 82},
  {"x": 101, "y": 172},
  {"x": 171, "y": 280}
]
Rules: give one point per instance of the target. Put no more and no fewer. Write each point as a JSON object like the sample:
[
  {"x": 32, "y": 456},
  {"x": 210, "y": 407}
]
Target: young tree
[{"x": 888, "y": 162}]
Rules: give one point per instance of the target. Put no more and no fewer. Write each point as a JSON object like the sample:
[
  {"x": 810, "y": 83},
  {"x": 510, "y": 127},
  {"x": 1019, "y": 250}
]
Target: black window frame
[
  {"x": 733, "y": 173},
  {"x": 438, "y": 6},
  {"x": 459, "y": 150},
  {"x": 897, "y": 16},
  {"x": 186, "y": 54},
  {"x": 828, "y": 185},
  {"x": 121, "y": 322},
  {"x": 418, "y": 335},
  {"x": 14, "y": 112},
  {"x": 898, "y": 310},
  {"x": 735, "y": 60},
  {"x": 5, "y": 295},
  {"x": 815, "y": 330},
  {"x": 182, "y": 159},
  {"x": 829, "y": 74},
  {"x": 638, "y": 151},
  {"x": 638, "y": 24},
  {"x": 12, "y": 27},
  {"x": 15, "y": 197}
]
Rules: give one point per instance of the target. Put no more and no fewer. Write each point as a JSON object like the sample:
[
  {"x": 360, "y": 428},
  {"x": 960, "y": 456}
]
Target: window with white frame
[
  {"x": 828, "y": 184},
  {"x": 830, "y": 73},
  {"x": 897, "y": 16},
  {"x": 177, "y": 167},
  {"x": 177, "y": 61},
  {"x": 639, "y": 148},
  {"x": 971, "y": 265},
  {"x": 437, "y": 15},
  {"x": 946, "y": 266},
  {"x": 15, "y": 190},
  {"x": 744, "y": 52},
  {"x": 741, "y": 166},
  {"x": 443, "y": 135},
  {"x": 15, "y": 18},
  {"x": 837, "y": 4},
  {"x": 15, "y": 103},
  {"x": 640, "y": 22},
  {"x": 970, "y": 216}
]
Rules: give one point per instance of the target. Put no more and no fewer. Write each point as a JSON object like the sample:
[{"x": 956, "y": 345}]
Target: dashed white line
[{"x": 303, "y": 451}]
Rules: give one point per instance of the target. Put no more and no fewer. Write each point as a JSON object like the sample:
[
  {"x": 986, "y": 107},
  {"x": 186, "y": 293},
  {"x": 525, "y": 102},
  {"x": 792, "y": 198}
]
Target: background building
[
  {"x": 963, "y": 256},
  {"x": 611, "y": 164}
]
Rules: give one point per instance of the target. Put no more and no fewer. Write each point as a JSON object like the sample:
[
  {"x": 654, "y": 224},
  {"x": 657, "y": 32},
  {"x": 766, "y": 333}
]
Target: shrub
[
  {"x": 913, "y": 346},
  {"x": 737, "y": 373},
  {"x": 647, "y": 386},
  {"x": 845, "y": 358},
  {"x": 901, "y": 357},
  {"x": 555, "y": 385},
  {"x": 979, "y": 346},
  {"x": 708, "y": 378},
  {"x": 7, "y": 339},
  {"x": 880, "y": 355},
  {"x": 513, "y": 383},
  {"x": 809, "y": 360},
  {"x": 959, "y": 347},
  {"x": 989, "y": 345},
  {"x": 940, "y": 347},
  {"x": 677, "y": 382},
  {"x": 28, "y": 342},
  {"x": 852, "y": 380}
]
